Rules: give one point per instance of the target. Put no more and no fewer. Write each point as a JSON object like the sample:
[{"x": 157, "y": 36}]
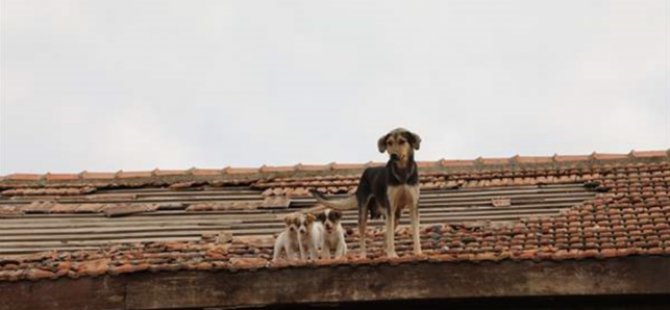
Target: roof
[{"x": 537, "y": 209}]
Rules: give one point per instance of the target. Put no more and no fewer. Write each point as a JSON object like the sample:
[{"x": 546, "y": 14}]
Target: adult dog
[{"x": 387, "y": 190}]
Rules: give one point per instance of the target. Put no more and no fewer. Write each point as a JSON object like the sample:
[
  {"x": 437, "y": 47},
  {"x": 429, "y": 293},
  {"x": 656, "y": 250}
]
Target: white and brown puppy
[
  {"x": 287, "y": 241},
  {"x": 309, "y": 235},
  {"x": 333, "y": 244}
]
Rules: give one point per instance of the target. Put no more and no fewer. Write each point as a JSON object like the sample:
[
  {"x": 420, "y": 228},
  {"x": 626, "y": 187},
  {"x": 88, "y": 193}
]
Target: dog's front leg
[
  {"x": 390, "y": 231},
  {"x": 313, "y": 252},
  {"x": 415, "y": 229},
  {"x": 362, "y": 228},
  {"x": 288, "y": 248},
  {"x": 278, "y": 247},
  {"x": 325, "y": 252},
  {"x": 302, "y": 250},
  {"x": 414, "y": 214},
  {"x": 341, "y": 249}
]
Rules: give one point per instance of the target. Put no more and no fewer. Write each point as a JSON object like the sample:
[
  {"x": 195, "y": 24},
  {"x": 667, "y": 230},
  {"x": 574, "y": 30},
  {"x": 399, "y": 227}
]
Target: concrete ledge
[{"x": 347, "y": 283}]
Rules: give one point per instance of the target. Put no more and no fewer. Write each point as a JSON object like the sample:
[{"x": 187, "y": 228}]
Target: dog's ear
[
  {"x": 381, "y": 143},
  {"x": 309, "y": 218},
  {"x": 321, "y": 216},
  {"x": 413, "y": 139},
  {"x": 287, "y": 220},
  {"x": 337, "y": 214}
]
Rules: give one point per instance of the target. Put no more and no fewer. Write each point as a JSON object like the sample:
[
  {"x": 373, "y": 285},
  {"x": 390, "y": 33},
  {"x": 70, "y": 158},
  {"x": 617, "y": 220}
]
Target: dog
[
  {"x": 386, "y": 190},
  {"x": 332, "y": 238},
  {"x": 299, "y": 240},
  {"x": 310, "y": 234},
  {"x": 287, "y": 241}
]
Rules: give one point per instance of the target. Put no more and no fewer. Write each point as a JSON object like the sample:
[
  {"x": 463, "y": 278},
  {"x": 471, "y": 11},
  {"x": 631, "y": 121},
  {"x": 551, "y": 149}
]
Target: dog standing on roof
[{"x": 387, "y": 190}]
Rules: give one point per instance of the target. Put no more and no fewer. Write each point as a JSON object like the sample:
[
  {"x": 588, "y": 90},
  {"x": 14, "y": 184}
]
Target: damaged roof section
[{"x": 520, "y": 208}]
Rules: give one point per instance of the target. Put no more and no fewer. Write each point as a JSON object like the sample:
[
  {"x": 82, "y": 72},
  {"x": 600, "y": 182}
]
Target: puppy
[
  {"x": 287, "y": 241},
  {"x": 309, "y": 235},
  {"x": 332, "y": 238}
]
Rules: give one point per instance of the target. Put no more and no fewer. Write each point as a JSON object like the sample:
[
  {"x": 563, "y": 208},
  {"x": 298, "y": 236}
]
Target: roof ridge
[{"x": 333, "y": 166}]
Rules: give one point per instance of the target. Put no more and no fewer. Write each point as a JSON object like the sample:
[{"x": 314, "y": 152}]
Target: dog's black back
[{"x": 375, "y": 181}]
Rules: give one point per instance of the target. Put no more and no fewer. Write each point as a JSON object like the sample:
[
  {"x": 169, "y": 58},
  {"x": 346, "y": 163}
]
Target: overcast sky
[{"x": 135, "y": 85}]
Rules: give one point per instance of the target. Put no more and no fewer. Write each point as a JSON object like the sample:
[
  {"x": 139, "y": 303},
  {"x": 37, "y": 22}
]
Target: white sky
[{"x": 109, "y": 85}]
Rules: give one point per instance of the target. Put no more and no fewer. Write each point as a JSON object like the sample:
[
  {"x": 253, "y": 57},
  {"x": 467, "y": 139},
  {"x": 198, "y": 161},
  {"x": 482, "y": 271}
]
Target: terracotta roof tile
[
  {"x": 133, "y": 174},
  {"x": 38, "y": 207},
  {"x": 265, "y": 168},
  {"x": 88, "y": 208},
  {"x": 231, "y": 170},
  {"x": 161, "y": 173},
  {"x": 61, "y": 176},
  {"x": 339, "y": 166},
  {"x": 533, "y": 159},
  {"x": 457, "y": 163},
  {"x": 571, "y": 158},
  {"x": 206, "y": 172},
  {"x": 63, "y": 208},
  {"x": 94, "y": 268},
  {"x": 645, "y": 154},
  {"x": 24, "y": 177},
  {"x": 303, "y": 167},
  {"x": 10, "y": 211},
  {"x": 427, "y": 164},
  {"x": 608, "y": 156},
  {"x": 374, "y": 164},
  {"x": 494, "y": 161},
  {"x": 86, "y": 175}
]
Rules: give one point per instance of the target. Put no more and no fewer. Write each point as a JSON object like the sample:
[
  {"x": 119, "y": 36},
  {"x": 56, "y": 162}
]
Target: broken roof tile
[
  {"x": 88, "y": 208},
  {"x": 63, "y": 208},
  {"x": 10, "y": 211},
  {"x": 37, "y": 207},
  {"x": 111, "y": 210}
]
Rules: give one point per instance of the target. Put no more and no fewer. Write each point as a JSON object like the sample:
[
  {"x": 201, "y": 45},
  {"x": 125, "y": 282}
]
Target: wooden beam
[{"x": 345, "y": 283}]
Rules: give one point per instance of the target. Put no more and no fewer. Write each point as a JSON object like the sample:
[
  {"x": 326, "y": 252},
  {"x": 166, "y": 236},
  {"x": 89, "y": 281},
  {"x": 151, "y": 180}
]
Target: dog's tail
[{"x": 340, "y": 204}]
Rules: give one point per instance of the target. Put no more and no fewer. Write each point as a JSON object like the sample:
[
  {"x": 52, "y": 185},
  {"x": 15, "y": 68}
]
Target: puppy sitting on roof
[
  {"x": 387, "y": 190},
  {"x": 333, "y": 244}
]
